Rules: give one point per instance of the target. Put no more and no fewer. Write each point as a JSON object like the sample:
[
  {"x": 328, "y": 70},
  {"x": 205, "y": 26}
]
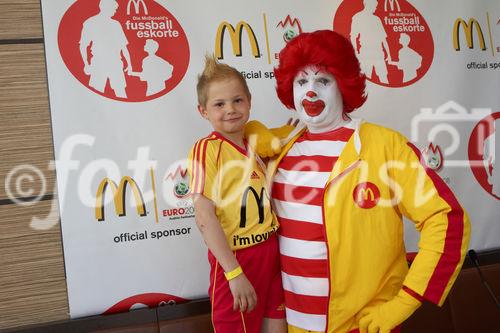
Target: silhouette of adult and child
[
  {"x": 369, "y": 38},
  {"x": 109, "y": 58}
]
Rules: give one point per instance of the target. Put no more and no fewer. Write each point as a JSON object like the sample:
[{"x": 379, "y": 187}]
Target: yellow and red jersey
[{"x": 233, "y": 179}]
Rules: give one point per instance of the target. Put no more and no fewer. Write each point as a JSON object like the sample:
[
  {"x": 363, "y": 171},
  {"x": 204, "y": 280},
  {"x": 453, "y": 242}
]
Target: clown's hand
[
  {"x": 384, "y": 318},
  {"x": 262, "y": 140},
  {"x": 283, "y": 131}
]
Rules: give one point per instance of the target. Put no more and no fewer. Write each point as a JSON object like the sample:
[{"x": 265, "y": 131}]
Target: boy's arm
[{"x": 244, "y": 296}]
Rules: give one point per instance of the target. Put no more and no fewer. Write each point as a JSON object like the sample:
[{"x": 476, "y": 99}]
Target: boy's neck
[{"x": 236, "y": 138}]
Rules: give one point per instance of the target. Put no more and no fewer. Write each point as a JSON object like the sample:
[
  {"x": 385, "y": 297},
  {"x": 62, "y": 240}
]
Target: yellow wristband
[{"x": 234, "y": 273}]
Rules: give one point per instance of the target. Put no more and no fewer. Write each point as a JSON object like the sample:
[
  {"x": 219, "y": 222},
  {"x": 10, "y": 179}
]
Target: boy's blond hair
[{"x": 215, "y": 71}]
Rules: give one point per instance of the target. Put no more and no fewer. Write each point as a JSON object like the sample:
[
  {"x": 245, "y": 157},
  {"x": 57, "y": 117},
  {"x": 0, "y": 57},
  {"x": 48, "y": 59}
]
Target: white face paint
[{"x": 317, "y": 100}]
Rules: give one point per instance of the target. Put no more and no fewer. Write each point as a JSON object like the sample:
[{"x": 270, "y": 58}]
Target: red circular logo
[
  {"x": 127, "y": 50},
  {"x": 484, "y": 145},
  {"x": 150, "y": 300},
  {"x": 393, "y": 42},
  {"x": 366, "y": 195}
]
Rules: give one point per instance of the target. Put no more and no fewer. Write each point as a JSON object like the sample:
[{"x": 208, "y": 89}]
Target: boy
[{"x": 233, "y": 210}]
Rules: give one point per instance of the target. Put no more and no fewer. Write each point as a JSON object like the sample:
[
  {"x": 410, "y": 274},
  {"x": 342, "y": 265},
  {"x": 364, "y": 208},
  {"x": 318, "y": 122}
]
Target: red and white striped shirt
[{"x": 297, "y": 194}]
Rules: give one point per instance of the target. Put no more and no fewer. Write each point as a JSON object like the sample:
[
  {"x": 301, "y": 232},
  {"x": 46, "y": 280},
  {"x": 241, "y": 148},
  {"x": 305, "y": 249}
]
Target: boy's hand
[
  {"x": 385, "y": 317},
  {"x": 262, "y": 140},
  {"x": 244, "y": 295}
]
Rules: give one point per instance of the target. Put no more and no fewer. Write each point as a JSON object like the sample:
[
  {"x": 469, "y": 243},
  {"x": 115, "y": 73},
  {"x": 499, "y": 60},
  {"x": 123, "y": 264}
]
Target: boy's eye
[
  {"x": 219, "y": 105},
  {"x": 238, "y": 100}
]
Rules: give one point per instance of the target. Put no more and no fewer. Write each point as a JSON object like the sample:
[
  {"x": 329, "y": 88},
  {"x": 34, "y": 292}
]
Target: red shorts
[{"x": 260, "y": 263}]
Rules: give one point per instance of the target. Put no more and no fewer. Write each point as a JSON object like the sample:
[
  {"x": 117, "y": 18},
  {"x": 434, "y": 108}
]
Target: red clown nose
[{"x": 311, "y": 94}]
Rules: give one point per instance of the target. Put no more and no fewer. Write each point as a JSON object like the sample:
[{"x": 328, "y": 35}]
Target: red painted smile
[{"x": 313, "y": 108}]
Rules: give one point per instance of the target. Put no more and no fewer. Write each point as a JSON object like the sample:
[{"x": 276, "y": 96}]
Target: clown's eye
[
  {"x": 323, "y": 80},
  {"x": 301, "y": 82}
]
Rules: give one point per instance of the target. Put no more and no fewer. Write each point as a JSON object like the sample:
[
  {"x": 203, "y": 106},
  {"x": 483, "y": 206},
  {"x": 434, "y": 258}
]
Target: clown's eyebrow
[{"x": 319, "y": 70}]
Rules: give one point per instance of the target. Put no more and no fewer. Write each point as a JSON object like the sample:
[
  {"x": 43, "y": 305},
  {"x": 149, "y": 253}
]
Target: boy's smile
[{"x": 227, "y": 108}]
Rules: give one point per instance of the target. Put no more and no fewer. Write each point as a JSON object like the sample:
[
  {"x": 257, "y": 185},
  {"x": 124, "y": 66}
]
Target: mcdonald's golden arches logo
[
  {"x": 119, "y": 196},
  {"x": 366, "y": 195},
  {"x": 259, "y": 199},
  {"x": 235, "y": 34},
  {"x": 468, "y": 28},
  {"x": 137, "y": 4}
]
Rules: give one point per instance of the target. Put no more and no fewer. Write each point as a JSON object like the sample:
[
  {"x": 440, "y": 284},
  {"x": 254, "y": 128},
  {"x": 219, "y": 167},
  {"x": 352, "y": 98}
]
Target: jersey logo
[
  {"x": 260, "y": 203},
  {"x": 366, "y": 195},
  {"x": 254, "y": 175}
]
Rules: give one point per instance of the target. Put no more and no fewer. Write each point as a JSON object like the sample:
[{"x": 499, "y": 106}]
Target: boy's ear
[{"x": 202, "y": 111}]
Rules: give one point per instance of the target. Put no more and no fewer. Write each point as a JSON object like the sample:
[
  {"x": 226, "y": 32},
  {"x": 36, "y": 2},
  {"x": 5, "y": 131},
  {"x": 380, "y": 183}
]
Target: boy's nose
[{"x": 311, "y": 94}]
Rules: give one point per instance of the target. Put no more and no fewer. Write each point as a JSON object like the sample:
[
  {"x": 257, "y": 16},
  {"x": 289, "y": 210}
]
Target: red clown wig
[{"x": 328, "y": 50}]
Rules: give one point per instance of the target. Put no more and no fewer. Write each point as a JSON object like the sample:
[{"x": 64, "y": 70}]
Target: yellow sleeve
[
  {"x": 266, "y": 142},
  {"x": 283, "y": 131},
  {"x": 202, "y": 168},
  {"x": 255, "y": 127},
  {"x": 442, "y": 222}
]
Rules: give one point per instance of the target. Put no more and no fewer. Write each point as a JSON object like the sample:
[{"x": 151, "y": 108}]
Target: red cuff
[{"x": 413, "y": 294}]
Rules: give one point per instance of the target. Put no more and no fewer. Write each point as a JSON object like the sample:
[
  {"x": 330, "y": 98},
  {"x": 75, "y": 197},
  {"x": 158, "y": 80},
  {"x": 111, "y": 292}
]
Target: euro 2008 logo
[
  {"x": 181, "y": 189},
  {"x": 391, "y": 38},
  {"x": 127, "y": 50}
]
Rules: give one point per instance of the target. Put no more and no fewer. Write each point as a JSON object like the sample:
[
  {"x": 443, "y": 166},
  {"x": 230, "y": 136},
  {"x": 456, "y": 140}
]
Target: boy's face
[{"x": 227, "y": 107}]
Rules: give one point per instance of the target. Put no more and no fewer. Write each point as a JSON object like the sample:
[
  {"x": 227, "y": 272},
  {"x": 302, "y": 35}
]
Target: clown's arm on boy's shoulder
[
  {"x": 266, "y": 141},
  {"x": 203, "y": 171},
  {"x": 444, "y": 237}
]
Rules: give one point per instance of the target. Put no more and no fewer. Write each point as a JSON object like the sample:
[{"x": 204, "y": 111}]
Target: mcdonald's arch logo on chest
[{"x": 366, "y": 195}]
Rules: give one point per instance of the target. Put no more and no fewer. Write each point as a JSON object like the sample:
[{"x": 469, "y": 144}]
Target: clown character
[{"x": 340, "y": 189}]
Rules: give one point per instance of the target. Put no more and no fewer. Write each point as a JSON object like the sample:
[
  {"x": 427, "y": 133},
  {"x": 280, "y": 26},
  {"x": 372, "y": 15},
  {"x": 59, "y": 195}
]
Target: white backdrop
[{"x": 103, "y": 131}]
